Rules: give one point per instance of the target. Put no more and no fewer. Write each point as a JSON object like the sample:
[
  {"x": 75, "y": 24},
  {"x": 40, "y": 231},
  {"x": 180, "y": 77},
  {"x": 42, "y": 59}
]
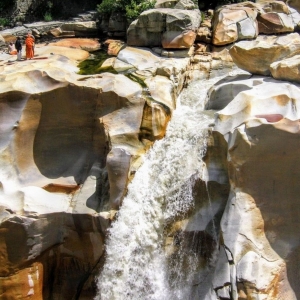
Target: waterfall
[{"x": 136, "y": 267}]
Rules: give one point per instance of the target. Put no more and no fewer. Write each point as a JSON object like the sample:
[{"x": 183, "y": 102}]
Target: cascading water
[{"x": 136, "y": 266}]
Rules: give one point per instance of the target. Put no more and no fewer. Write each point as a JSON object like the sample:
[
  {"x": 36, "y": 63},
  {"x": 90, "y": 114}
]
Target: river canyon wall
[{"x": 73, "y": 146}]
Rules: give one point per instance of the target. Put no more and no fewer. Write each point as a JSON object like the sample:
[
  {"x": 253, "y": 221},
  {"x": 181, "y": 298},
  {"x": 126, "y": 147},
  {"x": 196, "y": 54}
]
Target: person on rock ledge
[
  {"x": 18, "y": 45},
  {"x": 11, "y": 49},
  {"x": 29, "y": 42}
]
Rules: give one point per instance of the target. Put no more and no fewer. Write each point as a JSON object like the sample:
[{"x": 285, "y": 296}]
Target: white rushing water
[{"x": 135, "y": 266}]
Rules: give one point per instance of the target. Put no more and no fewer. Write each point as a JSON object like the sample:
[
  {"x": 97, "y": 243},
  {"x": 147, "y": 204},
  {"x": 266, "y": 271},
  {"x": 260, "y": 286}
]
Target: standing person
[
  {"x": 29, "y": 42},
  {"x": 18, "y": 46}
]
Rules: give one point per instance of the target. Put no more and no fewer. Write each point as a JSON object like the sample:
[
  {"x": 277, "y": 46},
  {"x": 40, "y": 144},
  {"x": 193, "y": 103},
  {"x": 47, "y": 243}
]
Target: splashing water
[{"x": 136, "y": 265}]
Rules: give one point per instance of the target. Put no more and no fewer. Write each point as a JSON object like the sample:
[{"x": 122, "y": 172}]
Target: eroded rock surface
[
  {"x": 256, "y": 56},
  {"x": 170, "y": 28},
  {"x": 69, "y": 146},
  {"x": 259, "y": 235}
]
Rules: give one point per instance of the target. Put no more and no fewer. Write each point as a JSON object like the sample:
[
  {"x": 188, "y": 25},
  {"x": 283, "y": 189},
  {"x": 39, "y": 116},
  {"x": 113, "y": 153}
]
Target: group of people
[{"x": 16, "y": 48}]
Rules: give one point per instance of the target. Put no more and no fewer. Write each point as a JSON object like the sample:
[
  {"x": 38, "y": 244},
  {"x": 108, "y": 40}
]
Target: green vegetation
[
  {"x": 4, "y": 22},
  {"x": 135, "y": 9},
  {"x": 205, "y": 5},
  {"x": 130, "y": 8},
  {"x": 94, "y": 65},
  {"x": 136, "y": 79},
  {"x": 47, "y": 17}
]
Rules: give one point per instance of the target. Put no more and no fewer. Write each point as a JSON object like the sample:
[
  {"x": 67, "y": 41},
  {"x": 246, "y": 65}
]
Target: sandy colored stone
[
  {"x": 287, "y": 69},
  {"x": 233, "y": 23},
  {"x": 256, "y": 56},
  {"x": 204, "y": 34},
  {"x": 24, "y": 284},
  {"x": 258, "y": 229},
  {"x": 174, "y": 39},
  {"x": 271, "y": 23},
  {"x": 114, "y": 46},
  {"x": 73, "y": 54},
  {"x": 155, "y": 27},
  {"x": 84, "y": 44}
]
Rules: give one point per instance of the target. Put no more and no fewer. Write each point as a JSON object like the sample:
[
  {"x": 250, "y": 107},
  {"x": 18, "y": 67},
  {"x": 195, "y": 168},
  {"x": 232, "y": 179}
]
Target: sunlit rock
[
  {"x": 287, "y": 69},
  {"x": 73, "y": 54},
  {"x": 84, "y": 44},
  {"x": 256, "y": 56},
  {"x": 275, "y": 23},
  {"x": 139, "y": 58},
  {"x": 171, "y": 28},
  {"x": 233, "y": 23},
  {"x": 83, "y": 28},
  {"x": 114, "y": 46},
  {"x": 259, "y": 247},
  {"x": 204, "y": 34},
  {"x": 63, "y": 137}
]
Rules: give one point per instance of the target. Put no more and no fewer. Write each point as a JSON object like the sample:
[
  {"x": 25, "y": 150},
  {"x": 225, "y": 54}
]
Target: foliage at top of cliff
[{"x": 130, "y": 8}]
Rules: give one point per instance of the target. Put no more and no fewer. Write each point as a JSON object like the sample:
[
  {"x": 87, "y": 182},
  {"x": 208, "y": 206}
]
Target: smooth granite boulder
[
  {"x": 171, "y": 28},
  {"x": 259, "y": 230},
  {"x": 287, "y": 69},
  {"x": 232, "y": 23},
  {"x": 256, "y": 56}
]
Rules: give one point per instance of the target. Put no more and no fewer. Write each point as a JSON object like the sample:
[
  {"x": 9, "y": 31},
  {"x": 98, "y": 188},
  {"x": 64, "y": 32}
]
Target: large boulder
[
  {"x": 273, "y": 22},
  {"x": 256, "y": 56},
  {"x": 81, "y": 28},
  {"x": 69, "y": 146},
  {"x": 259, "y": 237},
  {"x": 170, "y": 28},
  {"x": 232, "y": 23},
  {"x": 287, "y": 69}
]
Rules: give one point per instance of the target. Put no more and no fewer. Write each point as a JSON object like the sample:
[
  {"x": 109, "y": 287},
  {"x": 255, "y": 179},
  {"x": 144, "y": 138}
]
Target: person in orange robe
[{"x": 29, "y": 42}]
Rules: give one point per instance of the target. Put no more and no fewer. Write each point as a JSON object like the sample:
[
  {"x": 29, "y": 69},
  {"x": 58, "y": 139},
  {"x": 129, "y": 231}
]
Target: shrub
[
  {"x": 47, "y": 17},
  {"x": 135, "y": 9},
  {"x": 130, "y": 8},
  {"x": 107, "y": 7},
  {"x": 4, "y": 22}
]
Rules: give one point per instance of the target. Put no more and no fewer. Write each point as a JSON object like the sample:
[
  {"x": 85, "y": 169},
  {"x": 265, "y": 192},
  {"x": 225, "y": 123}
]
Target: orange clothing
[
  {"x": 29, "y": 42},
  {"x": 14, "y": 52}
]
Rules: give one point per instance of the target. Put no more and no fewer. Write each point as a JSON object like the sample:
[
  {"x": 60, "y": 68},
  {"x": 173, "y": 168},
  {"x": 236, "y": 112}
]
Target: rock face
[
  {"x": 170, "y": 28},
  {"x": 257, "y": 56},
  {"x": 246, "y": 20},
  {"x": 234, "y": 23},
  {"x": 255, "y": 123},
  {"x": 69, "y": 146},
  {"x": 287, "y": 69},
  {"x": 31, "y": 9}
]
